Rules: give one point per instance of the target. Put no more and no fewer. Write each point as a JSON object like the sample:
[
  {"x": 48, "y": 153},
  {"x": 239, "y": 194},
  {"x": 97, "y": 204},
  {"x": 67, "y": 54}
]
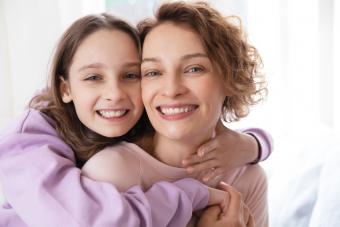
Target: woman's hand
[
  {"x": 229, "y": 149},
  {"x": 219, "y": 199},
  {"x": 236, "y": 214}
]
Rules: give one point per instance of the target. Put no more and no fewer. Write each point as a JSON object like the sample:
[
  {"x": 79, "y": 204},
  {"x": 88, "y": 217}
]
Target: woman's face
[
  {"x": 104, "y": 83},
  {"x": 181, "y": 90}
]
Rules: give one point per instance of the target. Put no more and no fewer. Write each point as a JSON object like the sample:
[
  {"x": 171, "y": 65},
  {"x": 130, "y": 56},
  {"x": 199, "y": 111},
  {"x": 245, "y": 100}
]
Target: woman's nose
[{"x": 173, "y": 86}]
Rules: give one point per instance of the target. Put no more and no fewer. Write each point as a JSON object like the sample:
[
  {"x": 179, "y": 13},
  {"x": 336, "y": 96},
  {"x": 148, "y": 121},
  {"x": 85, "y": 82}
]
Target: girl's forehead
[{"x": 111, "y": 48}]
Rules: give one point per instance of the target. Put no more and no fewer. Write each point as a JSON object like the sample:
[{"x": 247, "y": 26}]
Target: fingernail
[
  {"x": 224, "y": 183},
  {"x": 205, "y": 179},
  {"x": 184, "y": 162}
]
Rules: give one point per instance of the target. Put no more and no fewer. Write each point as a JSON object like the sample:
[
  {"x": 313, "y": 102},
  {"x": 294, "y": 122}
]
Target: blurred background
[{"x": 299, "y": 41}]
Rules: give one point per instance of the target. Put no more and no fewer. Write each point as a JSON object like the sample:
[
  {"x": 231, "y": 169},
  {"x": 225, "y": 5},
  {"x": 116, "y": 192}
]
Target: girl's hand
[
  {"x": 237, "y": 214},
  {"x": 229, "y": 149}
]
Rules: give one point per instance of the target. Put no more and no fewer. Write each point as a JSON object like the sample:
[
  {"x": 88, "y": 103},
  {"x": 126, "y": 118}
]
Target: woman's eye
[
  {"x": 93, "y": 77},
  {"x": 194, "y": 69},
  {"x": 151, "y": 74},
  {"x": 132, "y": 76}
]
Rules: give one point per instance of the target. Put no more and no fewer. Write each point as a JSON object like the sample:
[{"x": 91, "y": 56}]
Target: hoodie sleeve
[
  {"x": 264, "y": 140},
  {"x": 43, "y": 187}
]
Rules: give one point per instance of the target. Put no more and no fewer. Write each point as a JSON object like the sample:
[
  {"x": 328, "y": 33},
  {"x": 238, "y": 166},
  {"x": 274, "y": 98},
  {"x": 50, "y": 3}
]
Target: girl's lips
[
  {"x": 176, "y": 112},
  {"x": 113, "y": 115}
]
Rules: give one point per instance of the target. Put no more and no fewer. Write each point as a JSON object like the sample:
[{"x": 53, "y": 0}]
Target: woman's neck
[{"x": 173, "y": 151}]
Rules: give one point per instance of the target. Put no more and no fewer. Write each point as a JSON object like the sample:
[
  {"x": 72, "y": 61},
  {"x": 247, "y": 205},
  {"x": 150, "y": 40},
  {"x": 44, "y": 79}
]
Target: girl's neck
[{"x": 173, "y": 151}]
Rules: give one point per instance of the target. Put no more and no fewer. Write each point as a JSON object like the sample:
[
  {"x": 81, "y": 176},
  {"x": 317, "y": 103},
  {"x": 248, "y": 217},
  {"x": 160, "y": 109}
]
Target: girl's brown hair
[
  {"x": 227, "y": 47},
  {"x": 82, "y": 140}
]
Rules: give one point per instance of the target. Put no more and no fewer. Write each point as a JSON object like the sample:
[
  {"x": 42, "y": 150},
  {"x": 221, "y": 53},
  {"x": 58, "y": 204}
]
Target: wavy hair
[{"x": 227, "y": 47}]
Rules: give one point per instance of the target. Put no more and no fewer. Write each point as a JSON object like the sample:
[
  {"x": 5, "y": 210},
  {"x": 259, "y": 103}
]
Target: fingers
[
  {"x": 246, "y": 213},
  {"x": 211, "y": 213},
  {"x": 212, "y": 174},
  {"x": 202, "y": 166},
  {"x": 235, "y": 200},
  {"x": 207, "y": 147},
  {"x": 196, "y": 159},
  {"x": 209, "y": 217},
  {"x": 251, "y": 221}
]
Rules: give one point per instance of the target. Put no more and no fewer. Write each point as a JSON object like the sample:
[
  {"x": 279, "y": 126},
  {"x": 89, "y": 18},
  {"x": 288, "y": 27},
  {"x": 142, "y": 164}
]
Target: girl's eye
[
  {"x": 93, "y": 77},
  {"x": 132, "y": 76},
  {"x": 194, "y": 69},
  {"x": 151, "y": 74}
]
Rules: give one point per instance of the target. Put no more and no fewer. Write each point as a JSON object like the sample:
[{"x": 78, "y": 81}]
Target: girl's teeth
[
  {"x": 111, "y": 114},
  {"x": 177, "y": 110}
]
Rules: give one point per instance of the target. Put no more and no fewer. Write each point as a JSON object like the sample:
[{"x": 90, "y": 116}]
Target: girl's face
[
  {"x": 104, "y": 83},
  {"x": 181, "y": 90}
]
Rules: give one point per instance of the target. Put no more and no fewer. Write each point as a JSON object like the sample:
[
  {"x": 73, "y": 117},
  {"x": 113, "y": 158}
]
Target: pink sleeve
[
  {"x": 43, "y": 187},
  {"x": 264, "y": 140}
]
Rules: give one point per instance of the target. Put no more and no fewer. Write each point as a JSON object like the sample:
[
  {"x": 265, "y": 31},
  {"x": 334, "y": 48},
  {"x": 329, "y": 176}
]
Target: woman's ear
[{"x": 65, "y": 90}]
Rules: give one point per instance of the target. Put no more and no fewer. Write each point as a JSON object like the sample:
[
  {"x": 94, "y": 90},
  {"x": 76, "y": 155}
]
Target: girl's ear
[{"x": 65, "y": 90}]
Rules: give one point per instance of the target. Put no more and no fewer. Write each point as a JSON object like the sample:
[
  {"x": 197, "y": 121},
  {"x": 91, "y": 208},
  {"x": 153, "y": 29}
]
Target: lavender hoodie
[{"x": 43, "y": 187}]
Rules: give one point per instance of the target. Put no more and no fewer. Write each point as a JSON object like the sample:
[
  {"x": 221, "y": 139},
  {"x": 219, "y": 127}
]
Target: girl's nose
[{"x": 114, "y": 91}]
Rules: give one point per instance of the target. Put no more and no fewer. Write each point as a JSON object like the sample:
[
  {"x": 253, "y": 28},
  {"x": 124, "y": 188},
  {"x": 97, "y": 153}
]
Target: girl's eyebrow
[
  {"x": 92, "y": 66},
  {"x": 100, "y": 65},
  {"x": 185, "y": 57}
]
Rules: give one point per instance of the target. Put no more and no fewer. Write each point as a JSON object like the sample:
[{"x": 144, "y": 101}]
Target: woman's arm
[
  {"x": 43, "y": 187},
  {"x": 237, "y": 213}
]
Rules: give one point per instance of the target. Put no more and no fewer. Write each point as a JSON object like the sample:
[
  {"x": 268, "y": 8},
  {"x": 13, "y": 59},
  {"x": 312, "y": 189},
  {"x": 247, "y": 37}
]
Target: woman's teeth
[{"x": 176, "y": 110}]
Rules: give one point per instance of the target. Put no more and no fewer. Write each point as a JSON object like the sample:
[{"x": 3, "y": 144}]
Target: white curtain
[
  {"x": 298, "y": 41},
  {"x": 29, "y": 31}
]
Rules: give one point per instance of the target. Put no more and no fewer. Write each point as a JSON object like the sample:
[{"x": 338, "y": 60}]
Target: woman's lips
[{"x": 176, "y": 112}]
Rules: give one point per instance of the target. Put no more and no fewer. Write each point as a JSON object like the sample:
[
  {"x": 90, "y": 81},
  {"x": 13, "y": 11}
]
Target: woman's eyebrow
[
  {"x": 184, "y": 57},
  {"x": 144, "y": 60},
  {"x": 195, "y": 55}
]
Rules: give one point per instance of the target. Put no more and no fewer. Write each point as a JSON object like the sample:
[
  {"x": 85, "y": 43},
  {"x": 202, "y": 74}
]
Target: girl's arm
[
  {"x": 229, "y": 149},
  {"x": 43, "y": 187}
]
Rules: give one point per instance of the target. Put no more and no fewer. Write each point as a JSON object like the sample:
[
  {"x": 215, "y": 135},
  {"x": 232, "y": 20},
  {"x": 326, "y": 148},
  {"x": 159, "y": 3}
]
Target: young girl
[
  {"x": 93, "y": 100},
  {"x": 196, "y": 67}
]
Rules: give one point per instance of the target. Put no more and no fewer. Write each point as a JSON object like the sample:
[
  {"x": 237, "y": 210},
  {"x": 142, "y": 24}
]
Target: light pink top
[{"x": 136, "y": 166}]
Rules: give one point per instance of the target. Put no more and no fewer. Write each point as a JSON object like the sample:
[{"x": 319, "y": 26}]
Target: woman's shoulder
[
  {"x": 115, "y": 164},
  {"x": 247, "y": 178}
]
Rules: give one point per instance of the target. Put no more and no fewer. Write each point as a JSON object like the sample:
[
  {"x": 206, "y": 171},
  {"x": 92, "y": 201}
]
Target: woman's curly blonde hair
[{"x": 227, "y": 47}]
